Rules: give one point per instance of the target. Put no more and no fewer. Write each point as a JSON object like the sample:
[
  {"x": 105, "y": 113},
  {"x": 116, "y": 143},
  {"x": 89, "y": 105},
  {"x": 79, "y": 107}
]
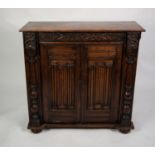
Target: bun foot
[
  {"x": 125, "y": 131},
  {"x": 35, "y": 130}
]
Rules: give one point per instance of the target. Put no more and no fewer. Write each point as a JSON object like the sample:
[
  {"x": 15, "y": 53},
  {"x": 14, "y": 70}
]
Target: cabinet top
[{"x": 82, "y": 27}]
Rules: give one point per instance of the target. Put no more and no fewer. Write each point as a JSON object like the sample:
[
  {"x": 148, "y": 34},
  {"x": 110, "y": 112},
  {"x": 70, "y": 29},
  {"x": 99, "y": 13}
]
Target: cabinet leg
[{"x": 36, "y": 130}]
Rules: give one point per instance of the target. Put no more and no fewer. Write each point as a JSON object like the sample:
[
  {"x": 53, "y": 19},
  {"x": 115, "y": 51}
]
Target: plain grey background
[{"x": 13, "y": 101}]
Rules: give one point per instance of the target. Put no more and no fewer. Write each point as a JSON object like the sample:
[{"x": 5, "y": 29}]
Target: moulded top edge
[{"x": 110, "y": 26}]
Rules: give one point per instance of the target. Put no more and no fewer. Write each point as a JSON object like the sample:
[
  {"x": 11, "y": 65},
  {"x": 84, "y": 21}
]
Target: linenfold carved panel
[
  {"x": 62, "y": 81},
  {"x": 101, "y": 68},
  {"x": 99, "y": 85},
  {"x": 61, "y": 64}
]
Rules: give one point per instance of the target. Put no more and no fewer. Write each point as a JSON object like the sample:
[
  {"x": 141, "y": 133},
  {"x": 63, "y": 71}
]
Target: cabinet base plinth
[{"x": 84, "y": 126}]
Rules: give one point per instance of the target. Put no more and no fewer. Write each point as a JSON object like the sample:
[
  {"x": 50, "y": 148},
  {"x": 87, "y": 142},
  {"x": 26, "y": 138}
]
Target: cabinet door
[
  {"x": 60, "y": 65},
  {"x": 101, "y": 69}
]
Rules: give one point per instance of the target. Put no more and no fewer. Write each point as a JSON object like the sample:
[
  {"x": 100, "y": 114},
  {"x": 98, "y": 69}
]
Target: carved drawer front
[
  {"x": 60, "y": 77},
  {"x": 103, "y": 82}
]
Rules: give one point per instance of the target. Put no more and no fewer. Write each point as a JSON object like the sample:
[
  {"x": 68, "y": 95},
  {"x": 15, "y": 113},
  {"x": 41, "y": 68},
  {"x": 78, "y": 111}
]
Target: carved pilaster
[
  {"x": 129, "y": 71},
  {"x": 33, "y": 77}
]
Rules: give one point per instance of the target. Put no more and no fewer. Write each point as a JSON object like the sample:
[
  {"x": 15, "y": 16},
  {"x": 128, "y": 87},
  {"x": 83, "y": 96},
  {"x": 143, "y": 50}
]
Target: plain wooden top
[{"x": 82, "y": 27}]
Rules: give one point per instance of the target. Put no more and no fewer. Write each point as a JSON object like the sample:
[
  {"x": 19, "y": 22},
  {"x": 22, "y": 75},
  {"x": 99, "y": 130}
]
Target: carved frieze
[{"x": 81, "y": 36}]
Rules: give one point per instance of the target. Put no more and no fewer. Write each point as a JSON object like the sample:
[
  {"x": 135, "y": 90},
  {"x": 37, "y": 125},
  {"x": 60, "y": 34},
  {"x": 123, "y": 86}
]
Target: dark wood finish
[{"x": 78, "y": 78}]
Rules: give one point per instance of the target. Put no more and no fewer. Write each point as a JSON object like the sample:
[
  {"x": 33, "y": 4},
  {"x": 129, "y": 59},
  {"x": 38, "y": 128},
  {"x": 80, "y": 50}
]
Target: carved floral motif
[
  {"x": 29, "y": 40},
  {"x": 133, "y": 40},
  {"x": 31, "y": 56},
  {"x": 132, "y": 46},
  {"x": 30, "y": 47}
]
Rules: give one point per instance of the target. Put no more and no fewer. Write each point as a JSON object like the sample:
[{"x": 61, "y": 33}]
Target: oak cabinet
[{"x": 80, "y": 75}]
